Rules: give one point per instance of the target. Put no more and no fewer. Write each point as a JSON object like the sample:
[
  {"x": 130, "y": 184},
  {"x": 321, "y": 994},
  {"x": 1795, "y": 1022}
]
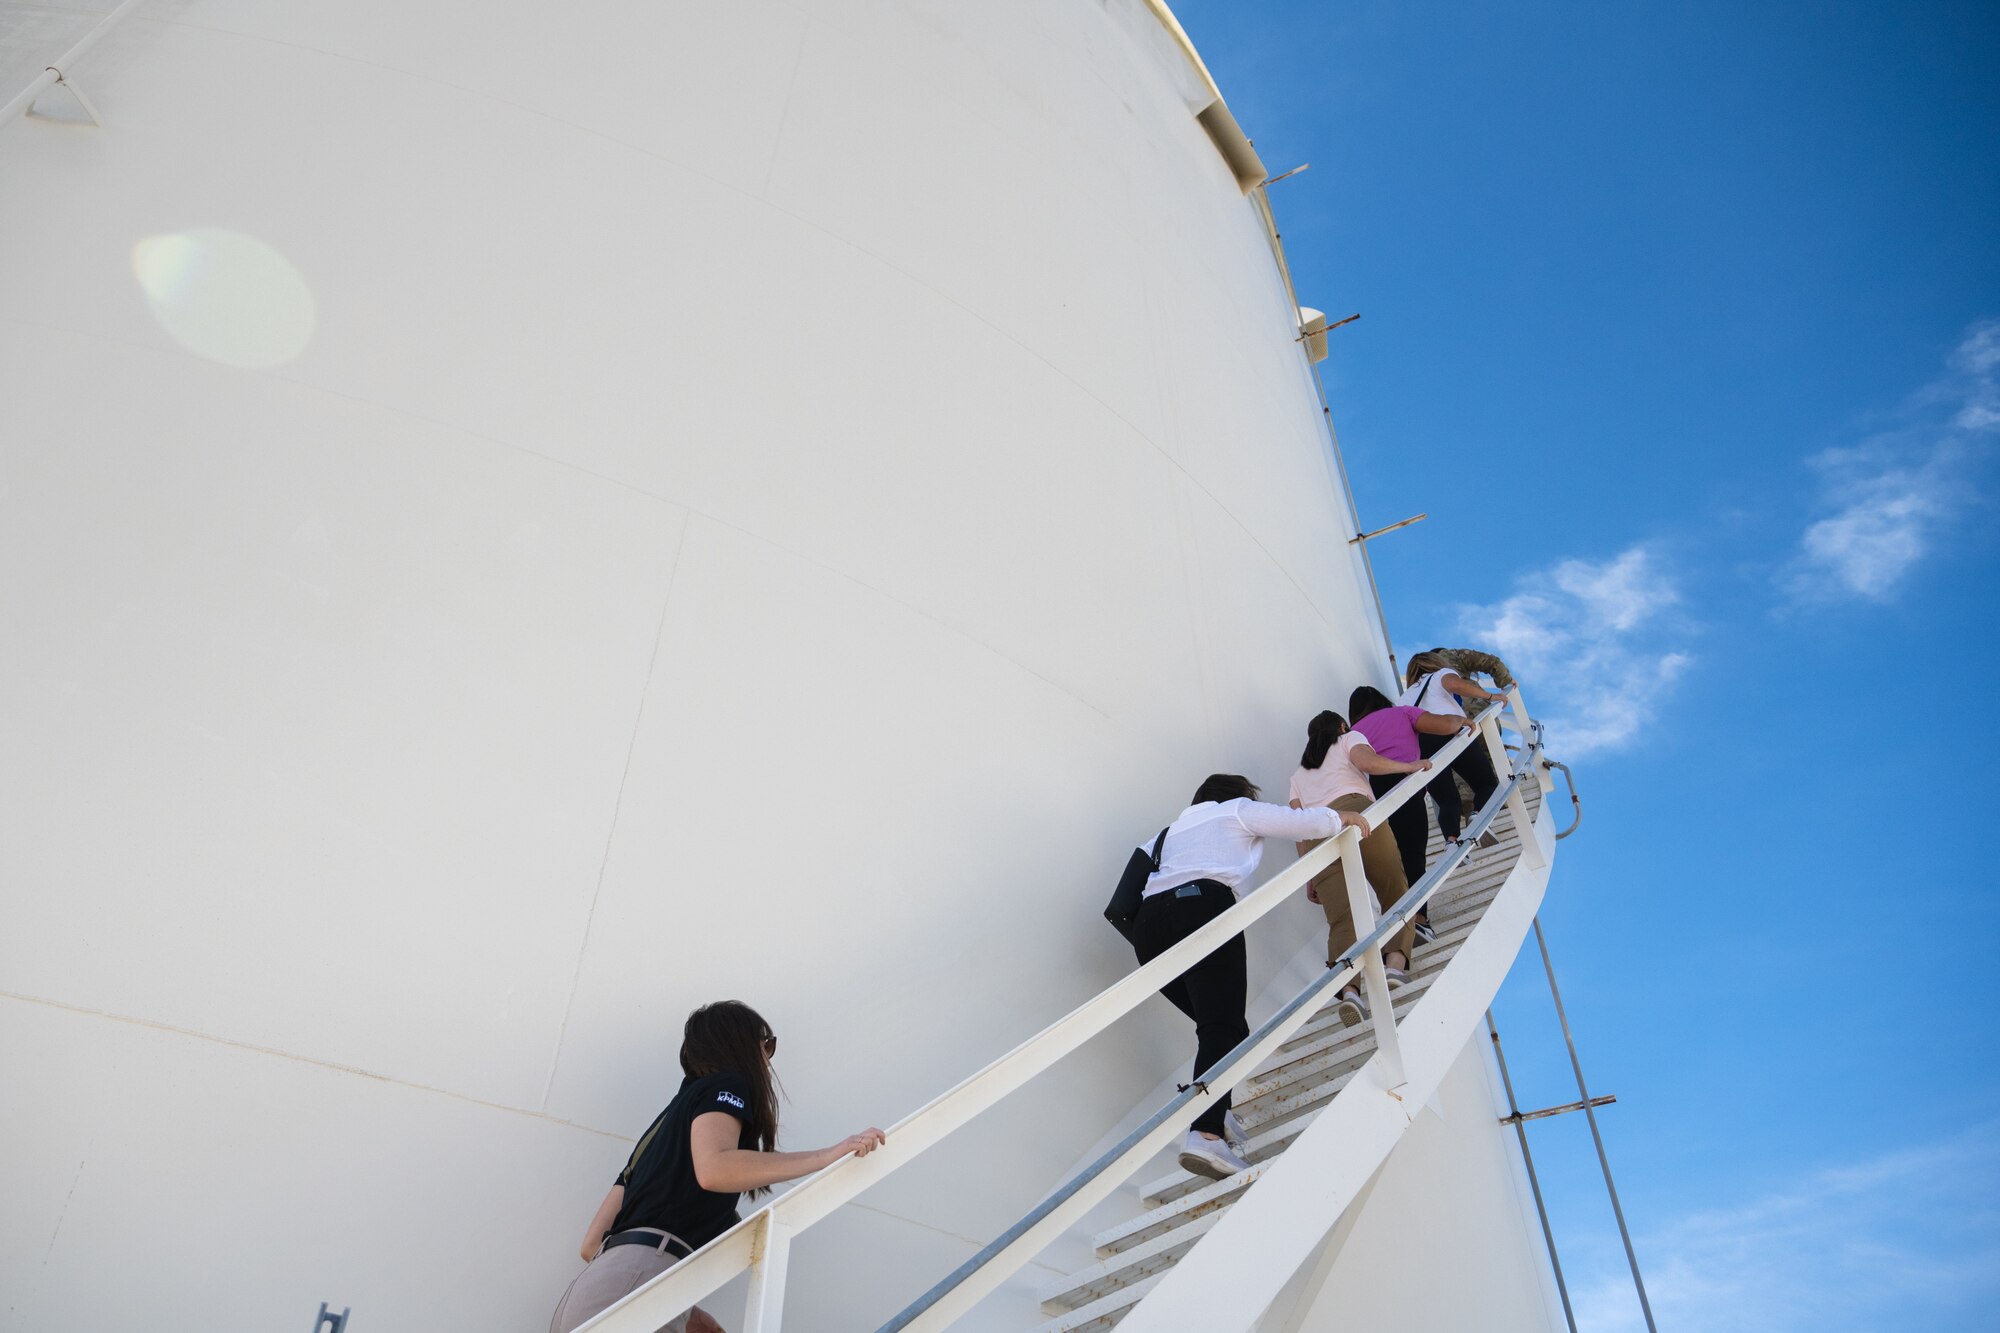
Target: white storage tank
[{"x": 517, "y": 520}]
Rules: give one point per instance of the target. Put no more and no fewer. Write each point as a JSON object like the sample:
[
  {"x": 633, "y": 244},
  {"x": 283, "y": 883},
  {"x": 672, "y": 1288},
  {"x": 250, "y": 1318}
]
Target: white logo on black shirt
[{"x": 731, "y": 1098}]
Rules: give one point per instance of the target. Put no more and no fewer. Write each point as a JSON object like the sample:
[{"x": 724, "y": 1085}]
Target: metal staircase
[
  {"x": 1325, "y": 1104},
  {"x": 1276, "y": 1104}
]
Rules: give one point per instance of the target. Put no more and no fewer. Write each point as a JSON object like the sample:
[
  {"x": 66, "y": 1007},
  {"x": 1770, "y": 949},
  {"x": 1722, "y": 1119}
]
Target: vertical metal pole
[
  {"x": 1534, "y": 1183},
  {"x": 1374, "y": 981},
  {"x": 1524, "y": 824},
  {"x": 1590, "y": 1114},
  {"x": 770, "y": 1255}
]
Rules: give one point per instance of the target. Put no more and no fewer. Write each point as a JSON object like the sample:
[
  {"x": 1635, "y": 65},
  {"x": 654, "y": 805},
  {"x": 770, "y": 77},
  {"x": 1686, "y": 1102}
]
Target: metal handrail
[
  {"x": 1006, "y": 1253},
  {"x": 1575, "y": 798},
  {"x": 761, "y": 1242}
]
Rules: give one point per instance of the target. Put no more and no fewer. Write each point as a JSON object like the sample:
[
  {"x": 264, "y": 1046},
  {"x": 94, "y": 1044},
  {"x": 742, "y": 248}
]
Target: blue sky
[{"x": 1683, "y": 323}]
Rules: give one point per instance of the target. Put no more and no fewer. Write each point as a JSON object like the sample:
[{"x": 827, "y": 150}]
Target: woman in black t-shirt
[{"x": 714, "y": 1141}]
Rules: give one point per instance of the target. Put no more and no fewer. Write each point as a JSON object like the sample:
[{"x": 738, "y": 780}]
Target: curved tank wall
[{"x": 516, "y": 520}]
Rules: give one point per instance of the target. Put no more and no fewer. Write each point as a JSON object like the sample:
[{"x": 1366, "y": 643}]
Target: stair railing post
[
  {"x": 1544, "y": 778},
  {"x": 765, "y": 1309},
  {"x": 1374, "y": 981},
  {"x": 1524, "y": 824}
]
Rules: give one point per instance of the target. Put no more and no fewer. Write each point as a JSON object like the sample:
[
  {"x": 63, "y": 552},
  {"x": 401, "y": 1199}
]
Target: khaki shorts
[{"x": 611, "y": 1277}]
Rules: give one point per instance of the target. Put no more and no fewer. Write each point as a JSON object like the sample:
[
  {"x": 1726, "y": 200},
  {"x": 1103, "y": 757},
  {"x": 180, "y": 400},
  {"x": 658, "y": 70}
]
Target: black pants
[
  {"x": 1214, "y": 991},
  {"x": 1411, "y": 824},
  {"x": 1474, "y": 765}
]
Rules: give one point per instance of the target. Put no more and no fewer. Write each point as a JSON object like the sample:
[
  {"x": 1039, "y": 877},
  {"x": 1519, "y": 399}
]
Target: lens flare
[{"x": 225, "y": 296}]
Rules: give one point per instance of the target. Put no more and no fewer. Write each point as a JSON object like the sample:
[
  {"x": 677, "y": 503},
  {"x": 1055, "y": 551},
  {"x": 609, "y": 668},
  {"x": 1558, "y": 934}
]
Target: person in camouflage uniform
[
  {"x": 1440, "y": 681},
  {"x": 1470, "y": 662}
]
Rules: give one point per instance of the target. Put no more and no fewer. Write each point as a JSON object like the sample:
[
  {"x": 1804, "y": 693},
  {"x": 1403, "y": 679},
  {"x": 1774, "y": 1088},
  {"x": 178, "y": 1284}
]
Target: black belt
[{"x": 666, "y": 1241}]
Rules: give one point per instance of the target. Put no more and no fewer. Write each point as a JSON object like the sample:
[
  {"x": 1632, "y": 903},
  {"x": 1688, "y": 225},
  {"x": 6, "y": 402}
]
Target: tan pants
[
  {"x": 611, "y": 1277},
  {"x": 1383, "y": 865}
]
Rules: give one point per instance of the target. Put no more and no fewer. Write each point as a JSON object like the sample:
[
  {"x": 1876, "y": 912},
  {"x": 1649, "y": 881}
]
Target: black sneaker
[{"x": 1426, "y": 932}]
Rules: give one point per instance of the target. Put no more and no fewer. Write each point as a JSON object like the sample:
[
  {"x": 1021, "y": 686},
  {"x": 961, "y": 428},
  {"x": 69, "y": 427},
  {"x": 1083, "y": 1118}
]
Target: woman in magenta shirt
[{"x": 1392, "y": 730}]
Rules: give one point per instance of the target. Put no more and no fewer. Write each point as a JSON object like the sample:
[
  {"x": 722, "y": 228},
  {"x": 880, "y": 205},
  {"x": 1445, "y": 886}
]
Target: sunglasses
[{"x": 770, "y": 1045}]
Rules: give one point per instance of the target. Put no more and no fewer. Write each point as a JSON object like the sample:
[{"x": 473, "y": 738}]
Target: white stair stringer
[{"x": 1321, "y": 1124}]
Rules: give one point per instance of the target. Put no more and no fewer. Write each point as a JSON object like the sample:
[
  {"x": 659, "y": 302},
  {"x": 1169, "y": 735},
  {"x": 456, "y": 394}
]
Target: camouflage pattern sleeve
[{"x": 1470, "y": 661}]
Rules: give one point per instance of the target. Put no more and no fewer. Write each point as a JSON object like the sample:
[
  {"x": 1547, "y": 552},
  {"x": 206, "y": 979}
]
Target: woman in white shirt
[
  {"x": 1333, "y": 772},
  {"x": 1208, "y": 852},
  {"x": 1434, "y": 687}
]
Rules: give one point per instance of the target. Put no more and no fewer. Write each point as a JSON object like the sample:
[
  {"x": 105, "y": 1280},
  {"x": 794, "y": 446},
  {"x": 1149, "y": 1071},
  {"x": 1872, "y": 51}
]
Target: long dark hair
[
  {"x": 1366, "y": 699},
  {"x": 729, "y": 1037},
  {"x": 1224, "y": 787},
  {"x": 1321, "y": 733}
]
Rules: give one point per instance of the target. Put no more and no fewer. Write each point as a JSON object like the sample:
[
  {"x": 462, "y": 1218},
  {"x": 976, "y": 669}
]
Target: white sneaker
[
  {"x": 1397, "y": 976},
  {"x": 1352, "y": 1008},
  {"x": 1234, "y": 1134},
  {"x": 1213, "y": 1158}
]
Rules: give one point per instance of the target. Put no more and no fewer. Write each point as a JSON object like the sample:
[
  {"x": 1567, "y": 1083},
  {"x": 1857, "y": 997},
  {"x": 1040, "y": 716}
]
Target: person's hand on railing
[
  {"x": 867, "y": 1141},
  {"x": 1356, "y": 822}
]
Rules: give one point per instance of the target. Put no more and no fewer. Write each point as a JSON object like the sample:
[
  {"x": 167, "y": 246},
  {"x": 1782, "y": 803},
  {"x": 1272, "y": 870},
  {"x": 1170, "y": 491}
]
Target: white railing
[
  {"x": 58, "y": 72},
  {"x": 761, "y": 1243},
  {"x": 973, "y": 1280}
]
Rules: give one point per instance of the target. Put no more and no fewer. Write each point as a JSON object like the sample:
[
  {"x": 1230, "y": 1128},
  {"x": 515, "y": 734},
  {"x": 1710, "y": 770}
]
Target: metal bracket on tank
[
  {"x": 76, "y": 94},
  {"x": 331, "y": 1322}
]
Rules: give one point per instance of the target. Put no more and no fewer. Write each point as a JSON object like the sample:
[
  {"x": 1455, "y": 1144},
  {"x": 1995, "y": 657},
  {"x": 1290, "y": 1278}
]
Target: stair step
[
  {"x": 1214, "y": 1197},
  {"x": 1477, "y": 885},
  {"x": 1125, "y": 1267},
  {"x": 1302, "y": 1095},
  {"x": 1325, "y": 1024},
  {"x": 1480, "y": 873},
  {"x": 1326, "y": 1041},
  {"x": 1325, "y": 1044},
  {"x": 1456, "y": 899},
  {"x": 1103, "y": 1313},
  {"x": 1263, "y": 1147},
  {"x": 1331, "y": 1057}
]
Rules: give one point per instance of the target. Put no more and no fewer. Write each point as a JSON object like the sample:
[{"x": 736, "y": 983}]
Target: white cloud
[
  {"x": 1894, "y": 494},
  {"x": 1583, "y": 638},
  {"x": 1907, "y": 1240}
]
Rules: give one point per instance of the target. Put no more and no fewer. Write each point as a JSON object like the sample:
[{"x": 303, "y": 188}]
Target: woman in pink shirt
[
  {"x": 1334, "y": 772},
  {"x": 1393, "y": 730}
]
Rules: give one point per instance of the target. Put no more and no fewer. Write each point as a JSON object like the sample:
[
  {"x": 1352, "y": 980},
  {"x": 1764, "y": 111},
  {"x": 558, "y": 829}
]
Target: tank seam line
[
  {"x": 617, "y": 808},
  {"x": 334, "y": 1065}
]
